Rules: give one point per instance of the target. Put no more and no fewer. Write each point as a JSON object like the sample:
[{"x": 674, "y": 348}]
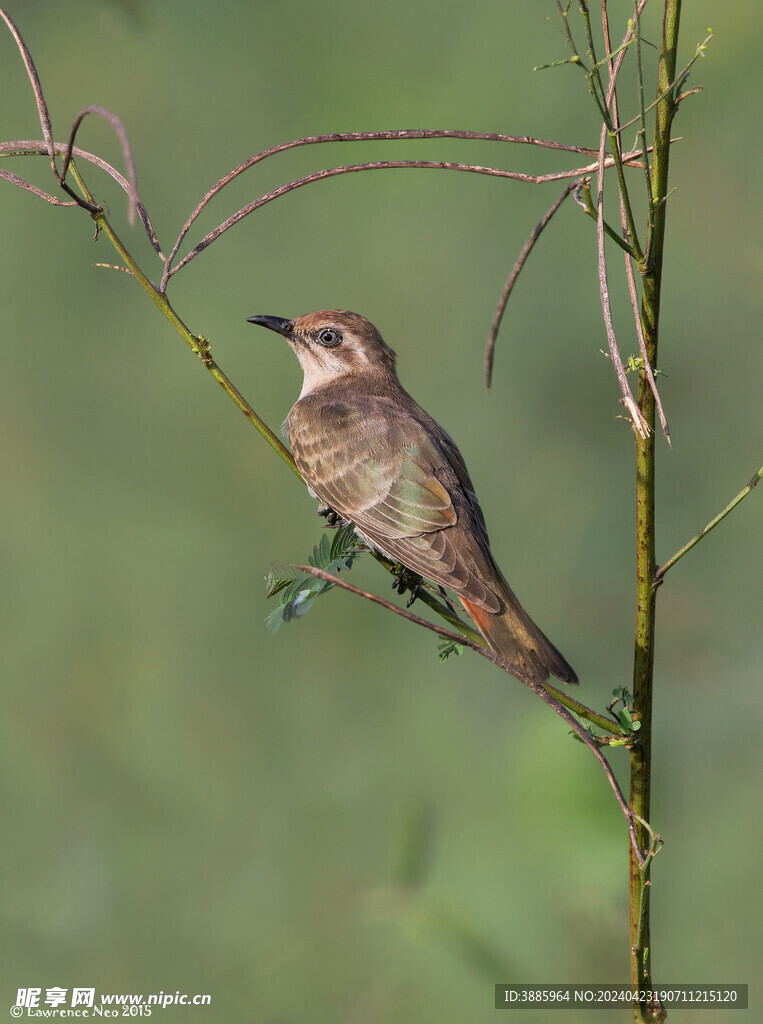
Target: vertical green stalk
[{"x": 643, "y": 668}]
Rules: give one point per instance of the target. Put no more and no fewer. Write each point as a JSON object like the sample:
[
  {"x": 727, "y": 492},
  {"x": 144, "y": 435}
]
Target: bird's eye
[
  {"x": 288, "y": 327},
  {"x": 328, "y": 337}
]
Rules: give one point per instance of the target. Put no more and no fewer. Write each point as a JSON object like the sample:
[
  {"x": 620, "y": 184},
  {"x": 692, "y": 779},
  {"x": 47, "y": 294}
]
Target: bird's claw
[
  {"x": 404, "y": 579},
  {"x": 331, "y": 516}
]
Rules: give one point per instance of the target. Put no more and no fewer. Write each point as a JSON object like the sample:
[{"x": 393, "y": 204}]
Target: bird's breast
[{"x": 330, "y": 442}]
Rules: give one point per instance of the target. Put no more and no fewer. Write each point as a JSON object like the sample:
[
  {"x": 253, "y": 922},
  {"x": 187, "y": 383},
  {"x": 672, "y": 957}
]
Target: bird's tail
[{"x": 514, "y": 637}]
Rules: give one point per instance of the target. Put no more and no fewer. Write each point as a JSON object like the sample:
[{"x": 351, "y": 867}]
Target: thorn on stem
[{"x": 113, "y": 266}]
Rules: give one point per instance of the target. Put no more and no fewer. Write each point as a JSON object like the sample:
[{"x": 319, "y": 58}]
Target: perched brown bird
[{"x": 365, "y": 448}]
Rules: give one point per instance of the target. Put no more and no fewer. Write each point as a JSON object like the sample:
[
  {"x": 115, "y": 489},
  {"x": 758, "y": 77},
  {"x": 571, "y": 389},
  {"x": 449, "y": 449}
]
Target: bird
[{"x": 368, "y": 451}]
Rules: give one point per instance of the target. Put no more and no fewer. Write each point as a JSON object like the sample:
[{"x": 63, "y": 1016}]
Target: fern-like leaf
[{"x": 298, "y": 590}]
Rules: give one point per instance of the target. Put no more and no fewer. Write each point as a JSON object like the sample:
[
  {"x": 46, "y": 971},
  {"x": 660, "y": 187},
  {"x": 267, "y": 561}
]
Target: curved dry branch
[
  {"x": 124, "y": 142},
  {"x": 511, "y": 281},
  {"x": 497, "y": 172},
  {"x": 32, "y": 147},
  {"x": 640, "y": 426},
  {"x": 34, "y": 78},
  {"x": 632, "y": 291},
  {"x": 42, "y": 110},
  {"x": 630, "y": 276},
  {"x": 15, "y": 179},
  {"x": 626, "y": 216},
  {"x": 51, "y": 148},
  {"x": 390, "y": 135}
]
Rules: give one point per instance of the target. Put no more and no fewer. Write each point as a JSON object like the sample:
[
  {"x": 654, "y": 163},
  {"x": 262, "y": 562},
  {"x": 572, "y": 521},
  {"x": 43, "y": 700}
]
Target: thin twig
[
  {"x": 42, "y": 109},
  {"x": 607, "y": 104},
  {"x": 124, "y": 142},
  {"x": 660, "y": 574},
  {"x": 610, "y": 105},
  {"x": 640, "y": 332},
  {"x": 113, "y": 266},
  {"x": 611, "y": 120},
  {"x": 594, "y": 76},
  {"x": 34, "y": 78},
  {"x": 447, "y": 634},
  {"x": 609, "y": 61},
  {"x": 642, "y": 133},
  {"x": 537, "y": 688},
  {"x": 34, "y": 147},
  {"x": 639, "y": 423},
  {"x": 533, "y": 179},
  {"x": 14, "y": 179},
  {"x": 516, "y": 269},
  {"x": 412, "y": 133},
  {"x": 701, "y": 47},
  {"x": 689, "y": 92},
  {"x": 626, "y": 214},
  {"x": 52, "y": 148},
  {"x": 585, "y": 202}
]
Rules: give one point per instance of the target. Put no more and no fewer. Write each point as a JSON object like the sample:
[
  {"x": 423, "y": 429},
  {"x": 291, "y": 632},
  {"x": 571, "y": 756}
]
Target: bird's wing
[
  {"x": 456, "y": 460},
  {"x": 398, "y": 484}
]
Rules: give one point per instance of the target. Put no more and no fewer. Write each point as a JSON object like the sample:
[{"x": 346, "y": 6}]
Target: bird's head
[{"x": 332, "y": 344}]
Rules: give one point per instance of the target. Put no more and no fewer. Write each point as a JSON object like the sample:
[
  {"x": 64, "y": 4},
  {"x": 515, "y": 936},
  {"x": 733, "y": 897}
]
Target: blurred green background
[{"x": 328, "y": 824}]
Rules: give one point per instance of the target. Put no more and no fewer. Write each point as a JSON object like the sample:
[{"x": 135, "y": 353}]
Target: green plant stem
[
  {"x": 585, "y": 201},
  {"x": 643, "y": 668},
  {"x": 582, "y": 711},
  {"x": 614, "y": 143},
  {"x": 713, "y": 523}
]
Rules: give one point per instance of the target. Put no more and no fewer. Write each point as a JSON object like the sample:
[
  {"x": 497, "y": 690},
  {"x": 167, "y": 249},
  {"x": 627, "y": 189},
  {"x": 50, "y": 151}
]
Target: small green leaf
[
  {"x": 344, "y": 545},
  {"x": 448, "y": 647},
  {"x": 558, "y": 63},
  {"x": 625, "y": 719},
  {"x": 274, "y": 586},
  {"x": 320, "y": 555},
  {"x": 304, "y": 601},
  {"x": 298, "y": 590},
  {"x": 274, "y": 619}
]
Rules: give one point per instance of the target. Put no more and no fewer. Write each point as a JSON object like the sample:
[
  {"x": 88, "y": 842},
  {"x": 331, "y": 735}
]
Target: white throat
[{"x": 327, "y": 369}]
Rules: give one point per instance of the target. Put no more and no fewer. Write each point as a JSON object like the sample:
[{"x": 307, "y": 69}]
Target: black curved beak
[{"x": 273, "y": 323}]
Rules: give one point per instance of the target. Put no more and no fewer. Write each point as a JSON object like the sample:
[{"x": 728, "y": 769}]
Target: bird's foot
[
  {"x": 404, "y": 579},
  {"x": 331, "y": 516}
]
